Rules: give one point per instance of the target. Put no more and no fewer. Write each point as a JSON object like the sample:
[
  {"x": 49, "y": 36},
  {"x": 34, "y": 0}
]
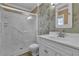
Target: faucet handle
[{"x": 61, "y": 34}]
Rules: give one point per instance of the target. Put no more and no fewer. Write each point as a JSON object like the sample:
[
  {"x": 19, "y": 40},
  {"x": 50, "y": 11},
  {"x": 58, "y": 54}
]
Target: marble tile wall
[{"x": 43, "y": 19}]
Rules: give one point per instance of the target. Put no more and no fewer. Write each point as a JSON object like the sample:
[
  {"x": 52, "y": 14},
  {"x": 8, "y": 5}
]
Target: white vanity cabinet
[
  {"x": 46, "y": 50},
  {"x": 53, "y": 48}
]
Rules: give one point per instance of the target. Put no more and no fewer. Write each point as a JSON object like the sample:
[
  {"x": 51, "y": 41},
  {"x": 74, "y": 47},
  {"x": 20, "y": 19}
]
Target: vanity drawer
[
  {"x": 46, "y": 51},
  {"x": 65, "y": 50},
  {"x": 52, "y": 50}
]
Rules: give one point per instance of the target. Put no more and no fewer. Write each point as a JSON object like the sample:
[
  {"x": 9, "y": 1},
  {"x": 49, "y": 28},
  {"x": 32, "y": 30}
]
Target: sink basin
[{"x": 56, "y": 35}]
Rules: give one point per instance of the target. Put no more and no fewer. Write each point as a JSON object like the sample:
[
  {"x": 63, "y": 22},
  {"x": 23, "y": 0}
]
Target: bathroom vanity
[
  {"x": 60, "y": 43},
  {"x": 51, "y": 45}
]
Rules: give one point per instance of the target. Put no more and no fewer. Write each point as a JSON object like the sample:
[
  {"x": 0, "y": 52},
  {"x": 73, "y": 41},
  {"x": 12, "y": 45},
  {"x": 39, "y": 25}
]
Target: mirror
[
  {"x": 64, "y": 15},
  {"x": 60, "y": 20}
]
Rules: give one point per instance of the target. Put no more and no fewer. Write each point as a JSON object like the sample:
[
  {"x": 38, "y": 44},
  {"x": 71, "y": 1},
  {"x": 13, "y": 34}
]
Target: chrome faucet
[{"x": 61, "y": 34}]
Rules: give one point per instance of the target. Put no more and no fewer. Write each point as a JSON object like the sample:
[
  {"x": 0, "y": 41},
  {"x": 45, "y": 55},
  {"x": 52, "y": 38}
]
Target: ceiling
[
  {"x": 24, "y": 6},
  {"x": 21, "y": 7}
]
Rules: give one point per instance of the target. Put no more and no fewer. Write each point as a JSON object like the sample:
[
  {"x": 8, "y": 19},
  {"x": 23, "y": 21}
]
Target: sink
[
  {"x": 68, "y": 36},
  {"x": 53, "y": 34}
]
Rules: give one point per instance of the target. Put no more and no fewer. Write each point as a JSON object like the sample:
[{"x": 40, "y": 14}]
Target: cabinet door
[
  {"x": 65, "y": 50},
  {"x": 75, "y": 52},
  {"x": 0, "y": 26},
  {"x": 46, "y": 51},
  {"x": 0, "y": 30},
  {"x": 58, "y": 54},
  {"x": 42, "y": 51},
  {"x": 59, "y": 48}
]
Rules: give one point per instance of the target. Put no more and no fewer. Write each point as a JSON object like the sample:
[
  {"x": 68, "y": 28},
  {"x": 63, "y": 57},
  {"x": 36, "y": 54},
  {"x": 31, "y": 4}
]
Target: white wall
[{"x": 14, "y": 36}]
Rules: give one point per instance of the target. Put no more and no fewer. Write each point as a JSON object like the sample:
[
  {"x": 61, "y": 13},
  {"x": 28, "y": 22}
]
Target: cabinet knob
[
  {"x": 21, "y": 48},
  {"x": 45, "y": 51}
]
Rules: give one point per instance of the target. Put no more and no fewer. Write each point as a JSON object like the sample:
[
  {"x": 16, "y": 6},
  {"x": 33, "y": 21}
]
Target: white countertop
[{"x": 69, "y": 41}]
